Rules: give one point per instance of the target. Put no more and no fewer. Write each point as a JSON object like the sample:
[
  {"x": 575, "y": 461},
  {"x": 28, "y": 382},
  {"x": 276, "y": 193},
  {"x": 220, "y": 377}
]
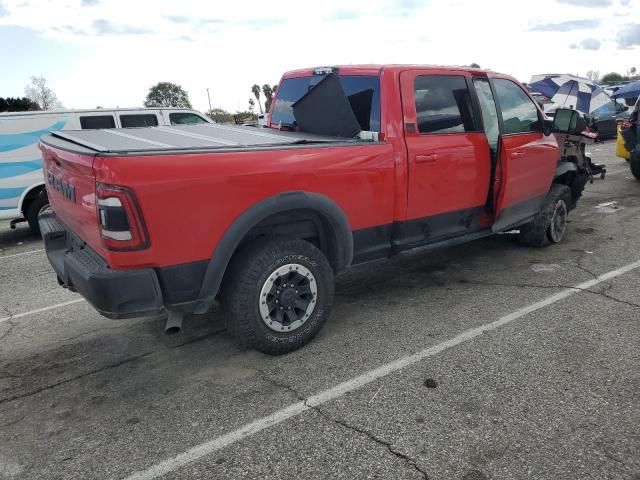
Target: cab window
[
  {"x": 139, "y": 120},
  {"x": 185, "y": 118},
  {"x": 519, "y": 113},
  {"x": 97, "y": 121},
  {"x": 443, "y": 104}
]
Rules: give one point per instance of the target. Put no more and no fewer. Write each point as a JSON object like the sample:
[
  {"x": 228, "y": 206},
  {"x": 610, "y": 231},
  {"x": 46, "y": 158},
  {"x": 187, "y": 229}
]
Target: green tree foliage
[
  {"x": 612, "y": 77},
  {"x": 268, "y": 91},
  {"x": 167, "y": 94},
  {"x": 255, "y": 89},
  {"x": 38, "y": 91},
  {"x": 23, "y": 104}
]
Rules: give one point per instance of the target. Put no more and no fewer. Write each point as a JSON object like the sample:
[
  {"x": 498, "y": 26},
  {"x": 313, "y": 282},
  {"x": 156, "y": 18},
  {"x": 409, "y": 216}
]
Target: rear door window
[
  {"x": 519, "y": 113},
  {"x": 139, "y": 120},
  {"x": 185, "y": 118},
  {"x": 97, "y": 121},
  {"x": 443, "y": 104},
  {"x": 363, "y": 92}
]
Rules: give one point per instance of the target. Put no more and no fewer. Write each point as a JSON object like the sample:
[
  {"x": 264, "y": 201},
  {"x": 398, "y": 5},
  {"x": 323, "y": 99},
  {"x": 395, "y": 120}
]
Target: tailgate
[{"x": 71, "y": 187}]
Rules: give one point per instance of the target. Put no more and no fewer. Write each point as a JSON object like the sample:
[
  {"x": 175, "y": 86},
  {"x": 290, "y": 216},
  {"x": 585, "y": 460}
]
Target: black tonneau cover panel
[{"x": 183, "y": 137}]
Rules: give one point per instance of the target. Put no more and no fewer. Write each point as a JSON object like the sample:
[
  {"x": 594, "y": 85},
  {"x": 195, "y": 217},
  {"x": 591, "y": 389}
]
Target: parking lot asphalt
[{"x": 475, "y": 362}]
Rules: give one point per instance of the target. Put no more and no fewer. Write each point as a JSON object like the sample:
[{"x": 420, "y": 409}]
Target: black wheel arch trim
[
  {"x": 280, "y": 203},
  {"x": 564, "y": 167}
]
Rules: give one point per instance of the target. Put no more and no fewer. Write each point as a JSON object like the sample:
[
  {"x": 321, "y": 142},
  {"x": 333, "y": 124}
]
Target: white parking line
[
  {"x": 23, "y": 253},
  {"x": 211, "y": 446},
  {"x": 40, "y": 310}
]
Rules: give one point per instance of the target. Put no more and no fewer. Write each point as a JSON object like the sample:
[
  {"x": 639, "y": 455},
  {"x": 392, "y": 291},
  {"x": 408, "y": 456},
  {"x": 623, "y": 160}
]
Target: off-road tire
[
  {"x": 33, "y": 210},
  {"x": 542, "y": 231},
  {"x": 243, "y": 286},
  {"x": 634, "y": 164}
]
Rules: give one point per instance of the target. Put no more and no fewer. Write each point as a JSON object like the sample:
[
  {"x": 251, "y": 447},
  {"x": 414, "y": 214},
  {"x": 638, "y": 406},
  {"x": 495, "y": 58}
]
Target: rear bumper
[{"x": 113, "y": 293}]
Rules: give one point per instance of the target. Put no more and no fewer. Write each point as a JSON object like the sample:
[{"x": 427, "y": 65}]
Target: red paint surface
[{"x": 189, "y": 200}]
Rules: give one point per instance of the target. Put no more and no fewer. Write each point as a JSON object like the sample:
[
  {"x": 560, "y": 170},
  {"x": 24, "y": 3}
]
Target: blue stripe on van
[
  {"x": 12, "y": 169},
  {"x": 11, "y": 193},
  {"x": 13, "y": 141}
]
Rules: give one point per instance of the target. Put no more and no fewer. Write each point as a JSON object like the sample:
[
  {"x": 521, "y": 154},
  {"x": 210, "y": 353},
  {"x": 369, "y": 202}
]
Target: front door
[
  {"x": 448, "y": 157},
  {"x": 527, "y": 158}
]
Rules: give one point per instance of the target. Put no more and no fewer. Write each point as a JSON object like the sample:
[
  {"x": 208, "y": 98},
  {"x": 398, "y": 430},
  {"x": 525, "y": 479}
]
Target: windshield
[
  {"x": 610, "y": 107},
  {"x": 363, "y": 93}
]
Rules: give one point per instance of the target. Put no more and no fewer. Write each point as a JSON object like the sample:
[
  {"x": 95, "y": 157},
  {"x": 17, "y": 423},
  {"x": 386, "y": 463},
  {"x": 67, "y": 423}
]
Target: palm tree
[{"x": 255, "y": 89}]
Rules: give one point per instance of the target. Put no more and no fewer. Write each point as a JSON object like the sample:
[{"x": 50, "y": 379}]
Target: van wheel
[
  {"x": 550, "y": 224},
  {"x": 39, "y": 204},
  {"x": 634, "y": 163},
  {"x": 278, "y": 294}
]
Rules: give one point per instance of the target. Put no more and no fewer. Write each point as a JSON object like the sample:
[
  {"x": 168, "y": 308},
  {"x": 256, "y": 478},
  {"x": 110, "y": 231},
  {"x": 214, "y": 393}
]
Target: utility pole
[{"x": 209, "y": 97}]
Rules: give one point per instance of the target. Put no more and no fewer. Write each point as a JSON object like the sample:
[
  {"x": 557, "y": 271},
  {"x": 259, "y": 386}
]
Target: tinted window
[
  {"x": 99, "y": 121},
  {"x": 363, "y": 93},
  {"x": 488, "y": 109},
  {"x": 519, "y": 113},
  {"x": 443, "y": 104},
  {"x": 185, "y": 119},
  {"x": 143, "y": 120}
]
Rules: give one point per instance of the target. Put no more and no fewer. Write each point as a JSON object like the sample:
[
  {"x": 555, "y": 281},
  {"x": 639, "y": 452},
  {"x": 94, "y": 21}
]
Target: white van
[{"x": 22, "y": 193}]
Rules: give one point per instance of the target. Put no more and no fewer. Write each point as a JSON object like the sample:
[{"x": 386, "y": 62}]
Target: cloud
[
  {"x": 587, "y": 3},
  {"x": 587, "y": 44},
  {"x": 629, "y": 36},
  {"x": 186, "y": 20},
  {"x": 625, "y": 3},
  {"x": 566, "y": 26},
  {"x": 90, "y": 3},
  {"x": 346, "y": 15},
  {"x": 406, "y": 8},
  {"x": 105, "y": 27},
  {"x": 3, "y": 11}
]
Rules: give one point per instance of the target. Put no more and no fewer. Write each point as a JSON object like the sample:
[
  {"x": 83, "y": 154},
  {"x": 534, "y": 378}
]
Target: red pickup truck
[{"x": 360, "y": 163}]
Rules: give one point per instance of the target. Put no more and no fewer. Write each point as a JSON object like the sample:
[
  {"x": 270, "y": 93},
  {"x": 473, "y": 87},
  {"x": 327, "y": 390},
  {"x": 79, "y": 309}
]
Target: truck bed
[{"x": 165, "y": 139}]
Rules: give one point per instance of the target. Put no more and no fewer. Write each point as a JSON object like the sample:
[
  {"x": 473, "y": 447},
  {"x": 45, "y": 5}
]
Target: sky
[{"x": 110, "y": 52}]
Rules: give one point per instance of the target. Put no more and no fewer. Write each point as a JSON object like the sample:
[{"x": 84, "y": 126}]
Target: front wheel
[
  {"x": 550, "y": 224},
  {"x": 277, "y": 294}
]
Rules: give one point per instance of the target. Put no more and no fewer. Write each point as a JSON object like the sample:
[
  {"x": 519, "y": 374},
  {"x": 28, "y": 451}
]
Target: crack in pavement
[
  {"x": 371, "y": 436},
  {"x": 555, "y": 286},
  {"x": 9, "y": 321},
  {"x": 71, "y": 379}
]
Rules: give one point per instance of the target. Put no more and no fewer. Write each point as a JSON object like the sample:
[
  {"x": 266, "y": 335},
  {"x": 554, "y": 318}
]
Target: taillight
[{"x": 121, "y": 223}]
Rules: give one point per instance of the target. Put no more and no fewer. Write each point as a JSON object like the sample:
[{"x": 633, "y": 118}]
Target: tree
[
  {"x": 252, "y": 104},
  {"x": 167, "y": 94},
  {"x": 39, "y": 93},
  {"x": 268, "y": 94},
  {"x": 219, "y": 115},
  {"x": 17, "y": 105},
  {"x": 474, "y": 65},
  {"x": 255, "y": 89},
  {"x": 612, "y": 77},
  {"x": 593, "y": 75}
]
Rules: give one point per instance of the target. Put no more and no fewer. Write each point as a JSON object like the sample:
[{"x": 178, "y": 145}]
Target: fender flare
[
  {"x": 564, "y": 167},
  {"x": 280, "y": 203}
]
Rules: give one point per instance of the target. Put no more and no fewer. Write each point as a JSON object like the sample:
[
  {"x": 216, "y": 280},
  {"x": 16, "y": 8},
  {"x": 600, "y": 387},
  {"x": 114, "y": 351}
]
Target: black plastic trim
[
  {"x": 283, "y": 202},
  {"x": 518, "y": 214}
]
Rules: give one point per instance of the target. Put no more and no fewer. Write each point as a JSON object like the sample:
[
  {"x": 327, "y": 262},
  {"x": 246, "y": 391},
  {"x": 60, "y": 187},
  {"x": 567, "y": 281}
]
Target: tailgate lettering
[{"x": 65, "y": 188}]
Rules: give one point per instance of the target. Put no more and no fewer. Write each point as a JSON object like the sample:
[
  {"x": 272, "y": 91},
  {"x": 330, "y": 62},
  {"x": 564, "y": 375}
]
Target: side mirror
[{"x": 568, "y": 121}]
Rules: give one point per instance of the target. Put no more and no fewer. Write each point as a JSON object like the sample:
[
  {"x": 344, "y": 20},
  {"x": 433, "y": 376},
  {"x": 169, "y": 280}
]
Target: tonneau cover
[{"x": 185, "y": 137}]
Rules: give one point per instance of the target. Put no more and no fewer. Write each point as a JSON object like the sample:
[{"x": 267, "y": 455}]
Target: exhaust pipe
[{"x": 174, "y": 323}]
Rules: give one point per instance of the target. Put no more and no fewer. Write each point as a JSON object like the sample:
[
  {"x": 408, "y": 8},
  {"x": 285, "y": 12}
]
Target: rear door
[
  {"x": 527, "y": 158},
  {"x": 448, "y": 156}
]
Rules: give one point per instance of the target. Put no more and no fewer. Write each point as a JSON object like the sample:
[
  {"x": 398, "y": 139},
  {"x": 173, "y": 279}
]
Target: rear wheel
[
  {"x": 38, "y": 205},
  {"x": 634, "y": 163},
  {"x": 550, "y": 224},
  {"x": 278, "y": 294}
]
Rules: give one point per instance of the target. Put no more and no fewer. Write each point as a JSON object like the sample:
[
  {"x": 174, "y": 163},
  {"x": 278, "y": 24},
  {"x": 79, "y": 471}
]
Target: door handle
[
  {"x": 426, "y": 158},
  {"x": 517, "y": 154}
]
